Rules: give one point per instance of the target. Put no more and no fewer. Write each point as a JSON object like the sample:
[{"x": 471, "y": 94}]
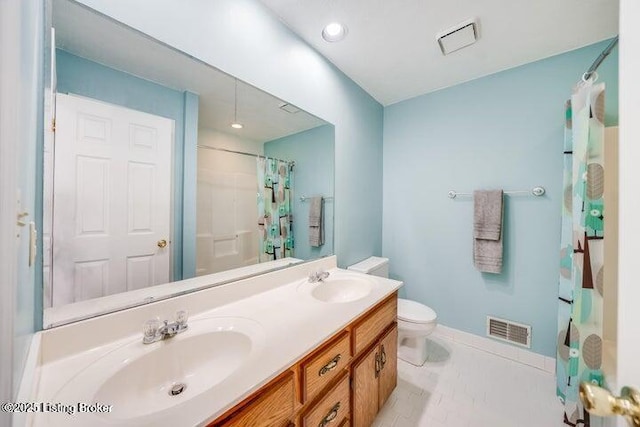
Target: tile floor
[{"x": 461, "y": 386}]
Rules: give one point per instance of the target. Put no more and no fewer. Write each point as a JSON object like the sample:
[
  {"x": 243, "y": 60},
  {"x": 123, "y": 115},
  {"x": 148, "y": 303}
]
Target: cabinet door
[
  {"x": 274, "y": 408},
  {"x": 388, "y": 364},
  {"x": 365, "y": 390}
]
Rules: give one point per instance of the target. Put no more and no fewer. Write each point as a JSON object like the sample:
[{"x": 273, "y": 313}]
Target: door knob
[
  {"x": 162, "y": 243},
  {"x": 601, "y": 402}
]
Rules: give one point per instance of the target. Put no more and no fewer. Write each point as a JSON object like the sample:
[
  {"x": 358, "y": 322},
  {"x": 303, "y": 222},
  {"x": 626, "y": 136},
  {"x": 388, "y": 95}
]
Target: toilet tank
[{"x": 374, "y": 265}]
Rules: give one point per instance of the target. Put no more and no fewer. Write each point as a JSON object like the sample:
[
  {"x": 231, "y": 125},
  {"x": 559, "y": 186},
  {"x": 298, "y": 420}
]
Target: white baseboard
[{"x": 521, "y": 355}]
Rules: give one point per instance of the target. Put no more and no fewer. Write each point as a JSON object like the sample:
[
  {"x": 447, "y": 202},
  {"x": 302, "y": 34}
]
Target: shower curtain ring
[{"x": 588, "y": 75}]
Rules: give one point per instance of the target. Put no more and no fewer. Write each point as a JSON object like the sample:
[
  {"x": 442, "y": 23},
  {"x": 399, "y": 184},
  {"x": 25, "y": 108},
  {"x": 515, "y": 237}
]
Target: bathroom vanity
[
  {"x": 270, "y": 350},
  {"x": 345, "y": 380}
]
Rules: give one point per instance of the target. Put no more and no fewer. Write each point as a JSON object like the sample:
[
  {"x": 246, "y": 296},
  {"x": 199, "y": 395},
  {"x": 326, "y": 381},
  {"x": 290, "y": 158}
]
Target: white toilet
[{"x": 415, "y": 320}]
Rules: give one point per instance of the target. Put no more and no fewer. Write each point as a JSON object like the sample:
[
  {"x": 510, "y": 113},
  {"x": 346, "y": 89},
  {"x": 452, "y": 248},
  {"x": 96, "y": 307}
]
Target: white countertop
[{"x": 293, "y": 323}]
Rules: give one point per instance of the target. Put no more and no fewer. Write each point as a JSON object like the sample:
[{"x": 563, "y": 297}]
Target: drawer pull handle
[
  {"x": 329, "y": 366},
  {"x": 332, "y": 415},
  {"x": 377, "y": 365},
  {"x": 383, "y": 358}
]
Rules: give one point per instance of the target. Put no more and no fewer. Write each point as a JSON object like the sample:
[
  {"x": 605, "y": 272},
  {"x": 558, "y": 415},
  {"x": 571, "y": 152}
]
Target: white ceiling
[
  {"x": 85, "y": 33},
  {"x": 391, "y": 49}
]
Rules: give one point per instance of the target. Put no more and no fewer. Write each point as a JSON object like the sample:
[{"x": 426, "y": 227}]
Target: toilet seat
[{"x": 414, "y": 312}]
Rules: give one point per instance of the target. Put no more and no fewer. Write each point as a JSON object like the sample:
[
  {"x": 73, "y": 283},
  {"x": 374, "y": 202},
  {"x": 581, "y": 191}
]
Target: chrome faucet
[
  {"x": 154, "y": 330},
  {"x": 318, "y": 276}
]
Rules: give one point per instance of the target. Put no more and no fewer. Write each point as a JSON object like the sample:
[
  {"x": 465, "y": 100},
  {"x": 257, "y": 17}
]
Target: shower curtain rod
[
  {"x": 607, "y": 50},
  {"x": 244, "y": 153}
]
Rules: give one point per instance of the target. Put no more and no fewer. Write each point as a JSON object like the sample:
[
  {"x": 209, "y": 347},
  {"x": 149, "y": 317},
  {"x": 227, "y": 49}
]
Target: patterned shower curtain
[
  {"x": 579, "y": 355},
  {"x": 275, "y": 231}
]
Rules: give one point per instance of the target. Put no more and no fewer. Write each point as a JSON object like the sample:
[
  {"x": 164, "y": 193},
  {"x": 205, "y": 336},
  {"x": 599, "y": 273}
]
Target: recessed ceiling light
[
  {"x": 334, "y": 32},
  {"x": 236, "y": 125}
]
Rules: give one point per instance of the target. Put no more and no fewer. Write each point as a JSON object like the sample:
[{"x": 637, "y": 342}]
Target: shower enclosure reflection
[{"x": 283, "y": 170}]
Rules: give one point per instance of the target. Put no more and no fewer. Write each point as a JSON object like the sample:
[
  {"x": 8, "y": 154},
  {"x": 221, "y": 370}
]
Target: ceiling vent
[
  {"x": 289, "y": 108},
  {"x": 506, "y": 330},
  {"x": 462, "y": 35}
]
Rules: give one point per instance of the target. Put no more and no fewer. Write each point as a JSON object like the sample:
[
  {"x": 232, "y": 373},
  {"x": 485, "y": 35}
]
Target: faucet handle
[
  {"x": 318, "y": 276},
  {"x": 181, "y": 317},
  {"x": 151, "y": 328}
]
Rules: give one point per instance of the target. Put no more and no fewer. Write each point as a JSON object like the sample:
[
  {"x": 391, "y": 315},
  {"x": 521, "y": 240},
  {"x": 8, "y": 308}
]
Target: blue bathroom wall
[
  {"x": 313, "y": 174},
  {"x": 246, "y": 40},
  {"x": 501, "y": 131},
  {"x": 189, "y": 175},
  {"x": 81, "y": 76}
]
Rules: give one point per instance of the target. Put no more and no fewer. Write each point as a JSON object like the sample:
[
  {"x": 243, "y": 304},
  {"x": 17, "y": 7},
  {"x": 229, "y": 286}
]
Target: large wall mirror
[{"x": 159, "y": 168}]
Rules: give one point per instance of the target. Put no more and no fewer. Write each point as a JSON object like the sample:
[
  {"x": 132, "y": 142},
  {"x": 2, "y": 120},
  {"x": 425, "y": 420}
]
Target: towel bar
[
  {"x": 535, "y": 191},
  {"x": 305, "y": 198}
]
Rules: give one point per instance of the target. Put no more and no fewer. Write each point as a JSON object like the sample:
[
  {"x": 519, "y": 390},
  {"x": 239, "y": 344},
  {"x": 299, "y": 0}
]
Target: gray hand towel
[
  {"x": 316, "y": 221},
  {"x": 487, "y": 230},
  {"x": 487, "y": 214}
]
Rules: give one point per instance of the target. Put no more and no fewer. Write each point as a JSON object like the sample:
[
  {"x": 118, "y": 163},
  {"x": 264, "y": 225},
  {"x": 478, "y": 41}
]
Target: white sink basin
[
  {"x": 338, "y": 289},
  {"x": 140, "y": 380},
  {"x": 341, "y": 290}
]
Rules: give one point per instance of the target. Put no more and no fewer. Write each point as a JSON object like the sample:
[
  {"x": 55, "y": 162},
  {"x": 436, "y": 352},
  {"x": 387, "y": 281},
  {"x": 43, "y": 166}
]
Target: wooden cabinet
[
  {"x": 332, "y": 409},
  {"x": 327, "y": 388},
  {"x": 365, "y": 389},
  {"x": 320, "y": 368},
  {"x": 388, "y": 377},
  {"x": 274, "y": 406},
  {"x": 375, "y": 376},
  {"x": 367, "y": 330}
]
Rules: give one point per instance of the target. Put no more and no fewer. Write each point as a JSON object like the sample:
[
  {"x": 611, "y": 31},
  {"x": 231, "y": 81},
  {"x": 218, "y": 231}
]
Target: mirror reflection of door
[{"x": 112, "y": 195}]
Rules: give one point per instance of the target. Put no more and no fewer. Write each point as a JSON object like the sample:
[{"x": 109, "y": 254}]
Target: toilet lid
[{"x": 411, "y": 311}]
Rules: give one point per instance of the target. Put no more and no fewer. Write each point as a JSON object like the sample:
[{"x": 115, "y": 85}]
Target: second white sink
[{"x": 340, "y": 288}]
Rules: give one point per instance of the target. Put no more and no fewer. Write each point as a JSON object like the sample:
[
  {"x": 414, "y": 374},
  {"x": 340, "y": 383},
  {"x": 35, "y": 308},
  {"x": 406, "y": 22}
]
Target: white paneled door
[{"x": 112, "y": 195}]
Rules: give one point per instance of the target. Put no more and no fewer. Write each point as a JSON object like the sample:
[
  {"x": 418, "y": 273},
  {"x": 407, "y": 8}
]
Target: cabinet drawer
[
  {"x": 367, "y": 330},
  {"x": 273, "y": 408},
  {"x": 319, "y": 369},
  {"x": 332, "y": 409}
]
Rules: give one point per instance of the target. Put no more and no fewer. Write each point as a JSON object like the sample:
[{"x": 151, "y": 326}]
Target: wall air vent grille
[{"x": 506, "y": 330}]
